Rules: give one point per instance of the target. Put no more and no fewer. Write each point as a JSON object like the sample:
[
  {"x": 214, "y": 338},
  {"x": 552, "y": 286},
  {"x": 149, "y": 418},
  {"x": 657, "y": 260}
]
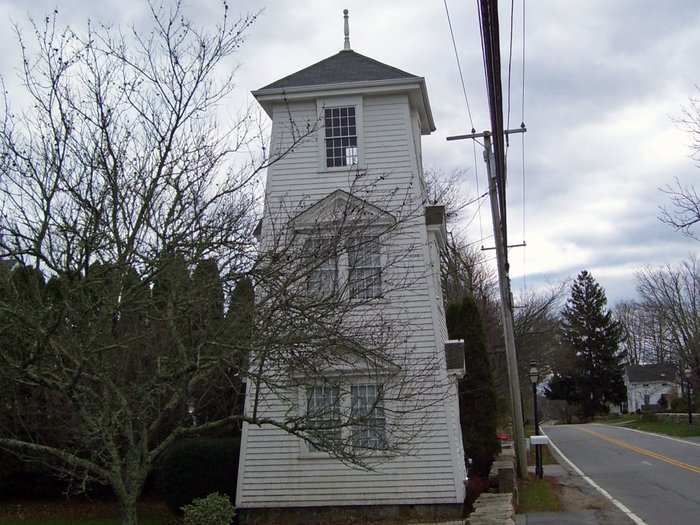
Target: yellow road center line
[{"x": 643, "y": 451}]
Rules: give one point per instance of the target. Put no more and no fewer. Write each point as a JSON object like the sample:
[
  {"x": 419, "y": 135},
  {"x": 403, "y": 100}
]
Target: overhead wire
[
  {"x": 469, "y": 112},
  {"x": 522, "y": 139},
  {"x": 459, "y": 66},
  {"x": 510, "y": 62}
]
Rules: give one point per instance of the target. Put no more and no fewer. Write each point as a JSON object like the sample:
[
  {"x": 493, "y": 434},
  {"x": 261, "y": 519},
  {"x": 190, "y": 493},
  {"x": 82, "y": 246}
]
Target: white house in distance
[
  {"x": 647, "y": 383},
  {"x": 372, "y": 118}
]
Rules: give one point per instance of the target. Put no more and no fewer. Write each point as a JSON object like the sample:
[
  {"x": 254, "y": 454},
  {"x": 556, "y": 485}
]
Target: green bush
[
  {"x": 215, "y": 509},
  {"x": 679, "y": 404},
  {"x": 478, "y": 403},
  {"x": 194, "y": 468}
]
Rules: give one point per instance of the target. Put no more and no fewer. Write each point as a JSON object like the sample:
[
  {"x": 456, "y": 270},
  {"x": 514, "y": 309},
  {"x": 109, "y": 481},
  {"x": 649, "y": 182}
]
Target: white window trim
[
  {"x": 334, "y": 102},
  {"x": 349, "y": 379},
  {"x": 343, "y": 264}
]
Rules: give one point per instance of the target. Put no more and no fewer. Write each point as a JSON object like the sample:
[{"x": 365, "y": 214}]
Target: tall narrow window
[
  {"x": 365, "y": 268},
  {"x": 323, "y": 413},
  {"x": 323, "y": 261},
  {"x": 341, "y": 136},
  {"x": 368, "y": 407}
]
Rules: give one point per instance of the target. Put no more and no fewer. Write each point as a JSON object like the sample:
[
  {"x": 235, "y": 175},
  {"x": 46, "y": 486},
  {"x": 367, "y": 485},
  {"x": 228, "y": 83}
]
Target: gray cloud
[{"x": 603, "y": 82}]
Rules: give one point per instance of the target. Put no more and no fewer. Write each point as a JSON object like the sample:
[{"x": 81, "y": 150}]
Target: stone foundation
[{"x": 350, "y": 515}]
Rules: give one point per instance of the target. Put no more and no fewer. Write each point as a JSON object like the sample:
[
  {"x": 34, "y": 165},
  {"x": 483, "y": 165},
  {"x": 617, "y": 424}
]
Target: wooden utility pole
[{"x": 506, "y": 297}]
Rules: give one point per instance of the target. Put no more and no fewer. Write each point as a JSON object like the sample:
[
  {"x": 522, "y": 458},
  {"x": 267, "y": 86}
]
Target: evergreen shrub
[
  {"x": 478, "y": 403},
  {"x": 215, "y": 509},
  {"x": 195, "y": 468}
]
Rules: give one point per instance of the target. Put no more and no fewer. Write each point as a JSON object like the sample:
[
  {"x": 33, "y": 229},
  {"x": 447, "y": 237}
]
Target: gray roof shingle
[
  {"x": 345, "y": 66},
  {"x": 659, "y": 372}
]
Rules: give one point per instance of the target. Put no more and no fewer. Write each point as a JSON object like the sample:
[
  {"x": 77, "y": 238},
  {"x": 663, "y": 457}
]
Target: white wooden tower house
[{"x": 352, "y": 127}]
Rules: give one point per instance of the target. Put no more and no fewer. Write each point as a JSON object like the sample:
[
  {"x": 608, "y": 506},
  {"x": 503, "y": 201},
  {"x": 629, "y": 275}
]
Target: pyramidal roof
[{"x": 345, "y": 66}]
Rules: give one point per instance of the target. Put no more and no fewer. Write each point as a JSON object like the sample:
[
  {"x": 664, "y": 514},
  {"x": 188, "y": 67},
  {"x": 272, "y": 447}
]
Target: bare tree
[
  {"x": 644, "y": 335},
  {"x": 672, "y": 295},
  {"x": 683, "y": 213},
  {"x": 131, "y": 217}
]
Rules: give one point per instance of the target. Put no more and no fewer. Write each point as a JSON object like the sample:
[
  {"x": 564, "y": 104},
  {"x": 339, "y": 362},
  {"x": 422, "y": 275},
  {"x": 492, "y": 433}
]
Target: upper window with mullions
[{"x": 341, "y": 137}]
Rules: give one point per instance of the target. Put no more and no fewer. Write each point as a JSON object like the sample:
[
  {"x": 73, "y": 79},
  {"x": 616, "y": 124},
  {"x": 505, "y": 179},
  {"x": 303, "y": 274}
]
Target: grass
[
  {"x": 547, "y": 458},
  {"x": 82, "y": 521},
  {"x": 659, "y": 426},
  {"x": 79, "y": 512},
  {"x": 537, "y": 495}
]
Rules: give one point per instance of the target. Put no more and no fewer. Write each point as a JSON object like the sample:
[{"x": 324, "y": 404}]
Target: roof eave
[{"x": 267, "y": 97}]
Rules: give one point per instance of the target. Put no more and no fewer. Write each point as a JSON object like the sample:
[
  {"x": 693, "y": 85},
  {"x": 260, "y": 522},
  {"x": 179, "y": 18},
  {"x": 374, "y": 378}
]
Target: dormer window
[{"x": 341, "y": 137}]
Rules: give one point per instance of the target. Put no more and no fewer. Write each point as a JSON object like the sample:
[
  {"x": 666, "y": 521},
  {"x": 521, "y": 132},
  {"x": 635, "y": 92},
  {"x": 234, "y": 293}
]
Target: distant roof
[
  {"x": 660, "y": 372},
  {"x": 345, "y": 66}
]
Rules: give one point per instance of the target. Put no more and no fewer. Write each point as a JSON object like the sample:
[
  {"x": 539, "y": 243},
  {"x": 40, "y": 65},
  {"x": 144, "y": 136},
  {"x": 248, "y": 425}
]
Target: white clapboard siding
[{"x": 273, "y": 472}]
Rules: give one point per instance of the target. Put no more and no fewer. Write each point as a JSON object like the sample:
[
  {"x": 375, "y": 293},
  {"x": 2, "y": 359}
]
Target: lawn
[
  {"x": 82, "y": 512},
  {"x": 659, "y": 426},
  {"x": 537, "y": 495},
  {"x": 80, "y": 521}
]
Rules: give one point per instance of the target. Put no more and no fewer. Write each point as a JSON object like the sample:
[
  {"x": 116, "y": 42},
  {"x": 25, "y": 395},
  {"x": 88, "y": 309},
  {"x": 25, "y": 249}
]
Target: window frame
[
  {"x": 365, "y": 241},
  {"x": 379, "y": 403},
  {"x": 339, "y": 102},
  {"x": 337, "y": 399},
  {"x": 345, "y": 402},
  {"x": 343, "y": 269},
  {"x": 323, "y": 266}
]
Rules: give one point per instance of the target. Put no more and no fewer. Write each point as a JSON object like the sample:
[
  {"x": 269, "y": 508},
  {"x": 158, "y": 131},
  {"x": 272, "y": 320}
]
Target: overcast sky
[{"x": 603, "y": 82}]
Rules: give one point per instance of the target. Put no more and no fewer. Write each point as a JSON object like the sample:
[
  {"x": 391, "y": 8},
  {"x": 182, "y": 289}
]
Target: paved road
[{"x": 655, "y": 477}]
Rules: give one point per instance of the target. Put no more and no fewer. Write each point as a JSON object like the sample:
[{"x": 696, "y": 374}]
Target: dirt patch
[{"x": 576, "y": 495}]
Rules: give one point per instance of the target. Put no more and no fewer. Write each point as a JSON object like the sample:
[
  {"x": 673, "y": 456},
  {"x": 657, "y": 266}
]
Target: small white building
[
  {"x": 647, "y": 383},
  {"x": 374, "y": 117}
]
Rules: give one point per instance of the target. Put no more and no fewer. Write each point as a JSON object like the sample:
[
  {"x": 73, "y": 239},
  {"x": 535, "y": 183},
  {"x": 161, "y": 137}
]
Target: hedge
[{"x": 195, "y": 468}]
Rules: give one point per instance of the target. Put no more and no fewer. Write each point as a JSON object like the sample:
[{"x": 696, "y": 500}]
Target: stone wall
[
  {"x": 503, "y": 471},
  {"x": 678, "y": 417},
  {"x": 493, "y": 509}
]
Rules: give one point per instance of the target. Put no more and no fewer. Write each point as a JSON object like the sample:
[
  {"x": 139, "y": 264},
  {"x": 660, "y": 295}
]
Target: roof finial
[{"x": 346, "y": 45}]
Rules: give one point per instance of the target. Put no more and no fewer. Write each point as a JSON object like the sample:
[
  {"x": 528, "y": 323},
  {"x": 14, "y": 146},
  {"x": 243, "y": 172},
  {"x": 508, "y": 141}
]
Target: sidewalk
[{"x": 582, "y": 504}]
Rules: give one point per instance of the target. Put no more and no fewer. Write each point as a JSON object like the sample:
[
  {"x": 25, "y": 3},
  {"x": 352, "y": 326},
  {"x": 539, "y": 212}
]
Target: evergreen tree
[
  {"x": 477, "y": 394},
  {"x": 588, "y": 330}
]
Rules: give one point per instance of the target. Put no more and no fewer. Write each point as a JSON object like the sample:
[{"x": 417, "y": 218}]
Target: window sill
[
  {"x": 356, "y": 168},
  {"x": 325, "y": 455}
]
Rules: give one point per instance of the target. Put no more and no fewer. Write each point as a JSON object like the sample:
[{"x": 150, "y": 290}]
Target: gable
[{"x": 341, "y": 207}]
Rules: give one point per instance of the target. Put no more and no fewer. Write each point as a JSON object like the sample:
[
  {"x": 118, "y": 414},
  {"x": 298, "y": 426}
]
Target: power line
[
  {"x": 510, "y": 62},
  {"x": 476, "y": 177},
  {"x": 522, "y": 123},
  {"x": 522, "y": 108},
  {"x": 459, "y": 66},
  {"x": 492, "y": 62},
  {"x": 469, "y": 113}
]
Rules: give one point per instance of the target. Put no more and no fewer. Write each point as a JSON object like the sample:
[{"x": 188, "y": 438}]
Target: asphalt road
[{"x": 655, "y": 477}]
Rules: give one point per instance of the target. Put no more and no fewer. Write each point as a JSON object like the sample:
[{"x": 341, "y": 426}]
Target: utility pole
[{"x": 506, "y": 298}]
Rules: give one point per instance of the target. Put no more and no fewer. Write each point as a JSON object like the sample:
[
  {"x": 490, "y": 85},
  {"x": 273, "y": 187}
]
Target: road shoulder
[{"x": 582, "y": 497}]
